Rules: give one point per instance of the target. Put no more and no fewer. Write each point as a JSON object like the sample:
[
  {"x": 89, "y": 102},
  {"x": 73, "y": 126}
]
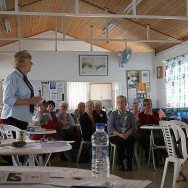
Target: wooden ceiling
[{"x": 127, "y": 29}]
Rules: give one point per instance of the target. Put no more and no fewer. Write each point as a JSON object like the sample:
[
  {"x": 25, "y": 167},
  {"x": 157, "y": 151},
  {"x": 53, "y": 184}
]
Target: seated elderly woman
[
  {"x": 79, "y": 111},
  {"x": 99, "y": 113},
  {"x": 147, "y": 116},
  {"x": 121, "y": 126},
  {"x": 136, "y": 110},
  {"x": 66, "y": 122},
  {"x": 88, "y": 121}
]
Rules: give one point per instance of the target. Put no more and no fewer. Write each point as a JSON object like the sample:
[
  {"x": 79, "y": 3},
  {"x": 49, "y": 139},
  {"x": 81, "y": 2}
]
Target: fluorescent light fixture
[
  {"x": 110, "y": 27},
  {"x": 129, "y": 8},
  {"x": 7, "y": 25},
  {"x": 2, "y": 5}
]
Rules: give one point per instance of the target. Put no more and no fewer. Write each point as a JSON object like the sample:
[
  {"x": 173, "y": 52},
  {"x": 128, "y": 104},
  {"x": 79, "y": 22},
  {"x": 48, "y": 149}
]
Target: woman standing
[
  {"x": 18, "y": 94},
  {"x": 121, "y": 126}
]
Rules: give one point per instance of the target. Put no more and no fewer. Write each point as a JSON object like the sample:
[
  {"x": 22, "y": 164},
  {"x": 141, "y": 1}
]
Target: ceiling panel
[{"x": 80, "y": 27}]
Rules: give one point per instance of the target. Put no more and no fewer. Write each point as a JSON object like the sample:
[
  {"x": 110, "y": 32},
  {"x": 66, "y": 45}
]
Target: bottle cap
[{"x": 100, "y": 125}]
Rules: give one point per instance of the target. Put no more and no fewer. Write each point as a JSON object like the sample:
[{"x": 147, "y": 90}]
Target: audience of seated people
[
  {"x": 147, "y": 116},
  {"x": 79, "y": 111},
  {"x": 121, "y": 127},
  {"x": 66, "y": 122}
]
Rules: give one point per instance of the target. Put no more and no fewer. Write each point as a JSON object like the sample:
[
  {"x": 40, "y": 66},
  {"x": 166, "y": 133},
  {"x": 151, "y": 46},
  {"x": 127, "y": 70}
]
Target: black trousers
[
  {"x": 15, "y": 122},
  {"x": 125, "y": 148}
]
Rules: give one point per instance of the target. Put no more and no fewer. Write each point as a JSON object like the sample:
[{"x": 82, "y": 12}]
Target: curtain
[
  {"x": 76, "y": 92},
  {"x": 176, "y": 82}
]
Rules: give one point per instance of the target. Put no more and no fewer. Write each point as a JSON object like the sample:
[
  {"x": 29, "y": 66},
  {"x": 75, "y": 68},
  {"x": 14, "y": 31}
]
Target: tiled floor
[{"x": 142, "y": 173}]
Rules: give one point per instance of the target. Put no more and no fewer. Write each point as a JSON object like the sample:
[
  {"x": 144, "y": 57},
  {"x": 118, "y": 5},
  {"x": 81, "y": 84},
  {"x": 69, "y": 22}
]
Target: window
[
  {"x": 176, "y": 82},
  {"x": 76, "y": 92}
]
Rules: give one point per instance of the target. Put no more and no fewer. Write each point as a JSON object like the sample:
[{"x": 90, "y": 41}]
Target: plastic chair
[
  {"x": 113, "y": 155},
  {"x": 168, "y": 128},
  {"x": 8, "y": 131},
  {"x": 137, "y": 154},
  {"x": 182, "y": 124},
  {"x": 83, "y": 142}
]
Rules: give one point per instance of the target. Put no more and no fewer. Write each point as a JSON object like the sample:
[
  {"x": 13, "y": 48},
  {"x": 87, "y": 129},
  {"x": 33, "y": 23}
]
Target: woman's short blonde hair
[
  {"x": 147, "y": 101},
  {"x": 20, "y": 57},
  {"x": 122, "y": 97},
  {"x": 63, "y": 103}
]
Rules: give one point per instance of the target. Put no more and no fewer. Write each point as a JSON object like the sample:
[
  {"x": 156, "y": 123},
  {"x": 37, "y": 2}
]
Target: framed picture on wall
[{"x": 93, "y": 65}]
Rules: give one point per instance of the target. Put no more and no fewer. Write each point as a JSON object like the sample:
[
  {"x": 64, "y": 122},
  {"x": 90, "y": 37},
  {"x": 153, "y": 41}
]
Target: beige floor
[{"x": 142, "y": 173}]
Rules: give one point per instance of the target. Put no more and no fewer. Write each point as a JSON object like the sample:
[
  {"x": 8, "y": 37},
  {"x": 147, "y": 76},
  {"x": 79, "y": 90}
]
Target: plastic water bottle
[{"x": 100, "y": 156}]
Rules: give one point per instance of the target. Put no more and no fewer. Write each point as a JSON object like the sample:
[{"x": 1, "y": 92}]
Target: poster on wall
[
  {"x": 49, "y": 90},
  {"x": 138, "y": 85}
]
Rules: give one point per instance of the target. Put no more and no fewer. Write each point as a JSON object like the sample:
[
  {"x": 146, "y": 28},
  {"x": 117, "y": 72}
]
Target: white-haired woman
[
  {"x": 99, "y": 114},
  {"x": 121, "y": 126},
  {"x": 66, "y": 122},
  {"x": 88, "y": 121}
]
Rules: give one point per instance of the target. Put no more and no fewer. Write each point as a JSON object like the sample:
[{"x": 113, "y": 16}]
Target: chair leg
[
  {"x": 177, "y": 166},
  {"x": 114, "y": 158},
  {"x": 164, "y": 172},
  {"x": 137, "y": 158},
  {"x": 79, "y": 152}
]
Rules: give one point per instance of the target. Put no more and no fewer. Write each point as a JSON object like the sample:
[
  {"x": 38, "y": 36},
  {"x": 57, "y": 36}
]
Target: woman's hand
[
  {"x": 35, "y": 100},
  {"x": 123, "y": 135}
]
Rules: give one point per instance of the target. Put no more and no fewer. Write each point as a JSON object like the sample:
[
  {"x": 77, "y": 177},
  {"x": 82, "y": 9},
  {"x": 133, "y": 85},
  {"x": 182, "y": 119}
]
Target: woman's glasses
[{"x": 146, "y": 104}]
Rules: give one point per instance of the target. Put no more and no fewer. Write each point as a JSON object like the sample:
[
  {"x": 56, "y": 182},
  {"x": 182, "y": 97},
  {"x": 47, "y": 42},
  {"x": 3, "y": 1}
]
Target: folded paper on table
[{"x": 21, "y": 177}]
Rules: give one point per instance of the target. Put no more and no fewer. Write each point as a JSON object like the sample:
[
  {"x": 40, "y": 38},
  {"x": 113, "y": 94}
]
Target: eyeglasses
[
  {"x": 63, "y": 106},
  {"x": 146, "y": 105}
]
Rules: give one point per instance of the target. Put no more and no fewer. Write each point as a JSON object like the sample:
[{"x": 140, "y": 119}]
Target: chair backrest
[
  {"x": 182, "y": 124},
  {"x": 168, "y": 127},
  {"x": 8, "y": 131}
]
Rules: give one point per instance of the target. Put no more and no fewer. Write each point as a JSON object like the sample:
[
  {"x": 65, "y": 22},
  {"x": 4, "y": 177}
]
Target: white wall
[
  {"x": 64, "y": 65},
  {"x": 159, "y": 61}
]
